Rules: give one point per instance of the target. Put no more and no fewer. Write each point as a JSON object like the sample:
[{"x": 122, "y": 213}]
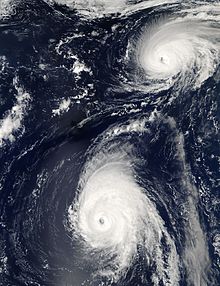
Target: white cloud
[
  {"x": 12, "y": 121},
  {"x": 63, "y": 106}
]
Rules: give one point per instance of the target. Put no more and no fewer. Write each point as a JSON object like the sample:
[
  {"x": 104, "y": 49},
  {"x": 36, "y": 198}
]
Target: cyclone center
[{"x": 101, "y": 220}]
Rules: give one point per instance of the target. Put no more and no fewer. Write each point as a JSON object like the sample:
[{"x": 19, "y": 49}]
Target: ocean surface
[{"x": 109, "y": 143}]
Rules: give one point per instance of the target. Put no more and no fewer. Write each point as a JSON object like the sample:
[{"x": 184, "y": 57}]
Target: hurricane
[
  {"x": 173, "y": 50},
  {"x": 179, "y": 52},
  {"x": 116, "y": 219},
  {"x": 109, "y": 143}
]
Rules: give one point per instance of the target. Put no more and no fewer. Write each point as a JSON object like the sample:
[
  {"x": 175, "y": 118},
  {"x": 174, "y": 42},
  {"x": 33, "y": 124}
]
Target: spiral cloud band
[{"x": 117, "y": 218}]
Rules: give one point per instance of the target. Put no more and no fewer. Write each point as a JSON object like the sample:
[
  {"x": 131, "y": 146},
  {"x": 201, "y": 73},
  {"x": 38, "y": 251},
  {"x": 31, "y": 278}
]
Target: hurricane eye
[
  {"x": 162, "y": 60},
  {"x": 101, "y": 220}
]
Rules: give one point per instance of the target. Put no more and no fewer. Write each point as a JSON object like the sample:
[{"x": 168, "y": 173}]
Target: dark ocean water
[{"x": 75, "y": 105}]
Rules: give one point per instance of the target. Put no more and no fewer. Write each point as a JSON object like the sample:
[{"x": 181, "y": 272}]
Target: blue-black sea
[{"x": 109, "y": 143}]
